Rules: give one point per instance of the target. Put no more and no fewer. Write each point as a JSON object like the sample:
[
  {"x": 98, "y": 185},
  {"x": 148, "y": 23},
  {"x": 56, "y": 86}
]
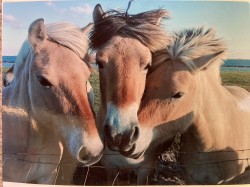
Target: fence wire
[{"x": 167, "y": 171}]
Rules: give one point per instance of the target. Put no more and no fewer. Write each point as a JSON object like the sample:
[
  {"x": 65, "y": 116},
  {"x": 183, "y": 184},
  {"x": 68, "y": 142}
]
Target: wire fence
[{"x": 168, "y": 169}]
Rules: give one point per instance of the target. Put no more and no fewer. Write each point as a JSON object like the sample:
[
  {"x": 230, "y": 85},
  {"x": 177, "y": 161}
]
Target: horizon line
[{"x": 10, "y": 1}]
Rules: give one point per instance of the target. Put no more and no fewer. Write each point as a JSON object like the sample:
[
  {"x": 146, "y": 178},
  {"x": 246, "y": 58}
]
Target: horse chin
[{"x": 131, "y": 153}]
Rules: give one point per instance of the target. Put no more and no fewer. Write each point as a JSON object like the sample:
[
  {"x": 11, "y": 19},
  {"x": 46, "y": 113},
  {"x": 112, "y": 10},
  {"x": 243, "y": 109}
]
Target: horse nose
[
  {"x": 121, "y": 140},
  {"x": 86, "y": 157},
  {"x": 111, "y": 134}
]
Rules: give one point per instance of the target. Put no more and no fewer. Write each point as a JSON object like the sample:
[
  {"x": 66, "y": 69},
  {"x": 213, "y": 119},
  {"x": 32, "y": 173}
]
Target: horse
[
  {"x": 124, "y": 44},
  {"x": 184, "y": 95},
  {"x": 46, "y": 110}
]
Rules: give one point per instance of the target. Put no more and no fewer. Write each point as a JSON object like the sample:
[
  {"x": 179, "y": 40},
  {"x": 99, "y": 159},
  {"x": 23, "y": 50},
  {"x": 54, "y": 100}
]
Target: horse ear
[
  {"x": 98, "y": 13},
  {"x": 37, "y": 34},
  {"x": 208, "y": 60},
  {"x": 87, "y": 28}
]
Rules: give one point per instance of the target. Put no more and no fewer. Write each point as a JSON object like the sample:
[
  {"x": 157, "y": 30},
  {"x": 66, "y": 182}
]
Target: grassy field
[
  {"x": 236, "y": 78},
  {"x": 241, "y": 79},
  {"x": 94, "y": 81}
]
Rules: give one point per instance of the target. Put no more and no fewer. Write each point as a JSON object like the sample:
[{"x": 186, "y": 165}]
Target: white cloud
[
  {"x": 49, "y": 3},
  {"x": 84, "y": 9},
  {"x": 12, "y": 21},
  {"x": 9, "y": 18}
]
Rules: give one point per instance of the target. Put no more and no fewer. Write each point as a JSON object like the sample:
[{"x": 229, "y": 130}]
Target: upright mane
[
  {"x": 193, "y": 43},
  {"x": 142, "y": 27},
  {"x": 63, "y": 33}
]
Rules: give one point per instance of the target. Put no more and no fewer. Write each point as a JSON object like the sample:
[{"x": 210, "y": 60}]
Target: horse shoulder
[
  {"x": 238, "y": 92},
  {"x": 242, "y": 96}
]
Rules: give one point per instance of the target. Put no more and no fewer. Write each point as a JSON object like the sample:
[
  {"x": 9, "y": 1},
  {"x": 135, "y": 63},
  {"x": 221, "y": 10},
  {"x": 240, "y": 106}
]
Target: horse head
[
  {"x": 175, "y": 84},
  {"x": 124, "y": 45},
  {"x": 55, "y": 81}
]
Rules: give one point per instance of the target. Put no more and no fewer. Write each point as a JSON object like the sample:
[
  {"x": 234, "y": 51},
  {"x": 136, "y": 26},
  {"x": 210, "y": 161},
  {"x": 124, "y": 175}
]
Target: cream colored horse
[
  {"x": 124, "y": 46},
  {"x": 184, "y": 94},
  {"x": 46, "y": 110}
]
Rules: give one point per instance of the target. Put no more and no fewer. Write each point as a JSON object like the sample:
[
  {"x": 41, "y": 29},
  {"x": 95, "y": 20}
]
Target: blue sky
[{"x": 230, "y": 19}]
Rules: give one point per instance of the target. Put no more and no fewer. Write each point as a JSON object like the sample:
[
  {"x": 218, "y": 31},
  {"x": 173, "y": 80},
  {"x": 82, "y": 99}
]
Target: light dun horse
[
  {"x": 184, "y": 94},
  {"x": 46, "y": 108},
  {"x": 124, "y": 45}
]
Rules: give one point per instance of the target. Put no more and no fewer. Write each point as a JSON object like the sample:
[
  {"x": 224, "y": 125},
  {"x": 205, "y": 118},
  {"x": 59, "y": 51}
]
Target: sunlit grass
[{"x": 241, "y": 79}]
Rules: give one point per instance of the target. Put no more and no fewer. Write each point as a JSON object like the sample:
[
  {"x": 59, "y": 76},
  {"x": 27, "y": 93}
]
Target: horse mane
[
  {"x": 142, "y": 26},
  {"x": 189, "y": 44},
  {"x": 22, "y": 55},
  {"x": 69, "y": 36},
  {"x": 65, "y": 34}
]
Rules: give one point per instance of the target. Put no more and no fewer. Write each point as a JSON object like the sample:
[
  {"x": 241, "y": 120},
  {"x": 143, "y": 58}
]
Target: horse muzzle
[
  {"x": 131, "y": 153},
  {"x": 122, "y": 141},
  {"x": 87, "y": 158}
]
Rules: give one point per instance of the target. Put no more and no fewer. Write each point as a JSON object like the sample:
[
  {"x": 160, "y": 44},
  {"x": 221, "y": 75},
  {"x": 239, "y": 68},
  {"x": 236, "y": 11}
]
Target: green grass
[
  {"x": 236, "y": 78},
  {"x": 4, "y": 70},
  {"x": 241, "y": 79},
  {"x": 94, "y": 81}
]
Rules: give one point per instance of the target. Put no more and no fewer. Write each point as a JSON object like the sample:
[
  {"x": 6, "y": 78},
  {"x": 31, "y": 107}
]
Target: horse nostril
[
  {"x": 135, "y": 135},
  {"x": 84, "y": 154}
]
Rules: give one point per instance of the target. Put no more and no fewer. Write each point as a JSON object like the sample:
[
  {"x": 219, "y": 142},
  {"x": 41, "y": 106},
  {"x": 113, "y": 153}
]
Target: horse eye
[
  {"x": 44, "y": 82},
  {"x": 178, "y": 95},
  {"x": 100, "y": 65}
]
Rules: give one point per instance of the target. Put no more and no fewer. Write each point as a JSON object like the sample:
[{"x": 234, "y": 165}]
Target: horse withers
[
  {"x": 46, "y": 109},
  {"x": 184, "y": 95}
]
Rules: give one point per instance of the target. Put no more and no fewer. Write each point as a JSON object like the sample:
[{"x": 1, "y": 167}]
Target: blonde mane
[
  {"x": 193, "y": 43},
  {"x": 65, "y": 34},
  {"x": 69, "y": 36}
]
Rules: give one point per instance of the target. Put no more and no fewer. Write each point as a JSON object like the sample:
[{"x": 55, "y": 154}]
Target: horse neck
[
  {"x": 18, "y": 111},
  {"x": 212, "y": 120},
  {"x": 20, "y": 96}
]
